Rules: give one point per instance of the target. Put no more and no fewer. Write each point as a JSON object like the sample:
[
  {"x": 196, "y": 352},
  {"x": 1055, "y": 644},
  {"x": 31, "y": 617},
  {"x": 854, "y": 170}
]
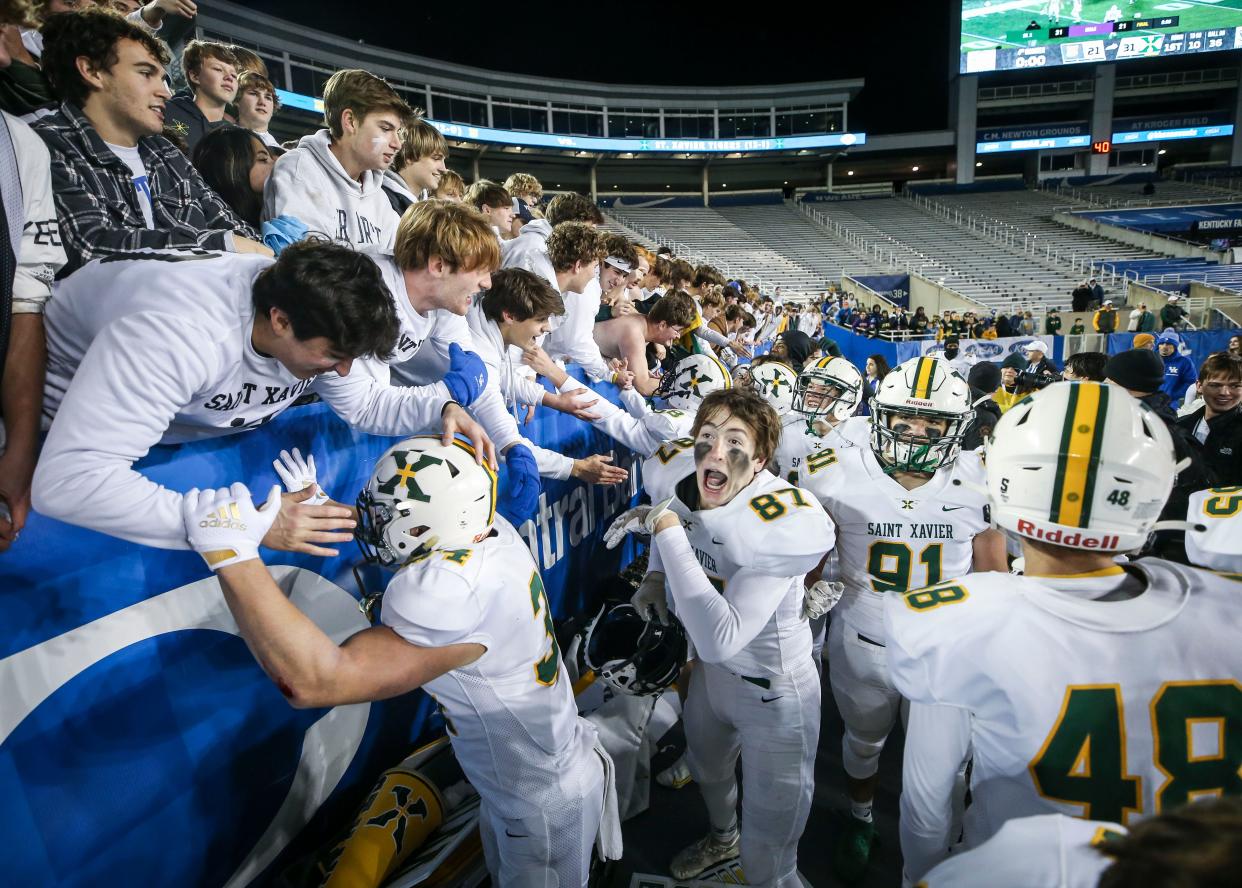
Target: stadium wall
[
  {"x": 135, "y": 718},
  {"x": 935, "y": 298},
  {"x": 1144, "y": 239}
]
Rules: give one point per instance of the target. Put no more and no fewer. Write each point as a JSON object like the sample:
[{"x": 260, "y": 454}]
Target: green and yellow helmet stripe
[
  {"x": 1078, "y": 463},
  {"x": 924, "y": 375},
  {"x": 824, "y": 361},
  {"x": 724, "y": 371}
]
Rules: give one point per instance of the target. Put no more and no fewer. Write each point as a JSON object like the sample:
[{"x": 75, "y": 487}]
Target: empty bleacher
[{"x": 772, "y": 245}]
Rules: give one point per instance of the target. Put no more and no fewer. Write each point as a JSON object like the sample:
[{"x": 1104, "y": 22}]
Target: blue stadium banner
[
  {"x": 140, "y": 744},
  {"x": 893, "y": 287},
  {"x": 995, "y": 350}
]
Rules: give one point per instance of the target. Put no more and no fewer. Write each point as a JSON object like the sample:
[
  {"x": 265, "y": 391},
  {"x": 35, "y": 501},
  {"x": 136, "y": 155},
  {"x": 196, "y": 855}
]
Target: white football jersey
[
  {"x": 1219, "y": 544},
  {"x": 891, "y": 539},
  {"x": 1049, "y": 851},
  {"x": 1080, "y": 704},
  {"x": 510, "y": 714},
  {"x": 852, "y": 432},
  {"x": 798, "y": 441},
  {"x": 770, "y": 527}
]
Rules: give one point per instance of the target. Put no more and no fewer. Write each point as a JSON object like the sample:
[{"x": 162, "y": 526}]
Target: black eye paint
[
  {"x": 701, "y": 449},
  {"x": 739, "y": 460}
]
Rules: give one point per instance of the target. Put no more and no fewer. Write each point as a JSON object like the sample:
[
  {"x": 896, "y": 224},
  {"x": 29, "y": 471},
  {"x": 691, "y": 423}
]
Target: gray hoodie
[{"x": 310, "y": 184}]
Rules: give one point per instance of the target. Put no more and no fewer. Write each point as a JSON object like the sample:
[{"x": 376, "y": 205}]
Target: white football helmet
[
  {"x": 831, "y": 388},
  {"x": 424, "y": 496},
  {"x": 924, "y": 387},
  {"x": 1214, "y": 531},
  {"x": 1082, "y": 465},
  {"x": 691, "y": 380},
  {"x": 775, "y": 382}
]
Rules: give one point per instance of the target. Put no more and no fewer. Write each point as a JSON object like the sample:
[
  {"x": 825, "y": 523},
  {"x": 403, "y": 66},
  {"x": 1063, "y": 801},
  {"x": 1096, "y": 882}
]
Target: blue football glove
[
  {"x": 282, "y": 231},
  {"x": 467, "y": 375},
  {"x": 522, "y": 484}
]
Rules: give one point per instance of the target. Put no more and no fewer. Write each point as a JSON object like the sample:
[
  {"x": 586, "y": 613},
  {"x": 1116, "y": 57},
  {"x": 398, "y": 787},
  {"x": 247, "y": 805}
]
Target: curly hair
[
  {"x": 17, "y": 12},
  {"x": 93, "y": 34},
  {"x": 620, "y": 247},
  {"x": 525, "y": 186},
  {"x": 573, "y": 207},
  {"x": 570, "y": 243}
]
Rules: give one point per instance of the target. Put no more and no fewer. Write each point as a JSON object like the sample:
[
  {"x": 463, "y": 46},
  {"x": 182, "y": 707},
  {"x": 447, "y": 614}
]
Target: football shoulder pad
[
  {"x": 672, "y": 461},
  {"x": 1219, "y": 544},
  {"x": 931, "y": 632},
  {"x": 668, "y": 424},
  {"x": 827, "y": 472},
  {"x": 773, "y": 528},
  {"x": 435, "y": 598}
]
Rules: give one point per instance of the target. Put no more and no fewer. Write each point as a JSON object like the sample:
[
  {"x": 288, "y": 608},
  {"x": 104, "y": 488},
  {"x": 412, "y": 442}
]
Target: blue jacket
[{"x": 1179, "y": 375}]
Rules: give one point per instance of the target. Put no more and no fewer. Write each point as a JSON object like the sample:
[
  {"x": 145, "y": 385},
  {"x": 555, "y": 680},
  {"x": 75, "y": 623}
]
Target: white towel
[{"x": 608, "y": 840}]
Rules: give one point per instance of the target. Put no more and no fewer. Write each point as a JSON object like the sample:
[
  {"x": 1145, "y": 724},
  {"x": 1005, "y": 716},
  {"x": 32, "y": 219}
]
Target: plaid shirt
[{"x": 98, "y": 204}]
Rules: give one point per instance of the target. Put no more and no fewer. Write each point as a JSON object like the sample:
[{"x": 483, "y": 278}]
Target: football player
[
  {"x": 465, "y": 616},
  {"x": 826, "y": 394},
  {"x": 734, "y": 543},
  {"x": 1085, "y": 687},
  {"x": 910, "y": 512}
]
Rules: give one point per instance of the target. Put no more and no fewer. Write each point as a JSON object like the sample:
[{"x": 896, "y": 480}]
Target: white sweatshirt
[
  {"x": 39, "y": 253},
  {"x": 157, "y": 349},
  {"x": 515, "y": 388},
  {"x": 310, "y": 184},
  {"x": 573, "y": 333},
  {"x": 637, "y": 426},
  {"x": 421, "y": 358},
  {"x": 529, "y": 250}
]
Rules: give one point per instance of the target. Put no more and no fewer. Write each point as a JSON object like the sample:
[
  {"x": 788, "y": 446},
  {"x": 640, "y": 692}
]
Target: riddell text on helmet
[{"x": 1077, "y": 540}]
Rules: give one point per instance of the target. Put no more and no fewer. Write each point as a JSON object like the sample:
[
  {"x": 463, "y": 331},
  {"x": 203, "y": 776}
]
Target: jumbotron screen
[{"x": 999, "y": 35}]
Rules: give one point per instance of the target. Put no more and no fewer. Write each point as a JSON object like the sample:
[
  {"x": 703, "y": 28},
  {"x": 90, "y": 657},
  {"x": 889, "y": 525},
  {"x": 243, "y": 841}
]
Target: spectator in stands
[
  {"x": 572, "y": 253},
  {"x": 1141, "y": 320},
  {"x": 451, "y": 188},
  {"x": 23, "y": 88},
  {"x": 1144, "y": 340},
  {"x": 1140, "y": 373},
  {"x": 1235, "y": 346},
  {"x": 1003, "y": 330},
  {"x": 1216, "y": 427},
  {"x": 1105, "y": 318},
  {"x": 1015, "y": 320},
  {"x": 256, "y": 104},
  {"x": 958, "y": 361},
  {"x": 529, "y": 249},
  {"x": 1080, "y": 297},
  {"x": 142, "y": 351},
  {"x": 333, "y": 179},
  {"x": 1038, "y": 360},
  {"x": 28, "y": 222},
  {"x": 1052, "y": 323},
  {"x": 1077, "y": 328},
  {"x": 1085, "y": 366},
  {"x": 1097, "y": 291},
  {"x": 619, "y": 262},
  {"x": 989, "y": 329},
  {"x": 1010, "y": 392},
  {"x": 984, "y": 378},
  {"x": 1173, "y": 316},
  {"x": 119, "y": 185},
  {"x": 1029, "y": 327},
  {"x": 493, "y": 202},
  {"x": 1179, "y": 370},
  {"x": 236, "y": 164},
  {"x": 625, "y": 338},
  {"x": 211, "y": 69},
  {"x": 874, "y": 372},
  {"x": 418, "y": 169}
]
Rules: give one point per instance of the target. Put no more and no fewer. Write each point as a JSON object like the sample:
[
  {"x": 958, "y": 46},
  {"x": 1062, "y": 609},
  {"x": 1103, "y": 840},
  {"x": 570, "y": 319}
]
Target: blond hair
[
  {"x": 524, "y": 185},
  {"x": 362, "y": 93},
  {"x": 450, "y": 182},
  {"x": 419, "y": 139},
  {"x": 458, "y": 234}
]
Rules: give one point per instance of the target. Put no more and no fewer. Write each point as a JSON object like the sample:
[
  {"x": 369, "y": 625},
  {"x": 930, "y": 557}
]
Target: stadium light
[
  {"x": 978, "y": 163},
  {"x": 849, "y": 173},
  {"x": 1161, "y": 151},
  {"x": 914, "y": 168}
]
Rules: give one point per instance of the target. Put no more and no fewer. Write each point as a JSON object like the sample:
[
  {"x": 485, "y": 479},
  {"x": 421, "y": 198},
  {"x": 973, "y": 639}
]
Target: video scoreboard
[{"x": 999, "y": 35}]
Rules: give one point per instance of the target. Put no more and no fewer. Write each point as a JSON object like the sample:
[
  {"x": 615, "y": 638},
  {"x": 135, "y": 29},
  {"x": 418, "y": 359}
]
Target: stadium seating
[{"x": 772, "y": 246}]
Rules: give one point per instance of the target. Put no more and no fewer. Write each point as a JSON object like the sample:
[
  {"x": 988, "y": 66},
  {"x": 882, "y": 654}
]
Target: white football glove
[
  {"x": 650, "y": 599},
  {"x": 299, "y": 474},
  {"x": 821, "y": 598},
  {"x": 640, "y": 519},
  {"x": 224, "y": 526}
]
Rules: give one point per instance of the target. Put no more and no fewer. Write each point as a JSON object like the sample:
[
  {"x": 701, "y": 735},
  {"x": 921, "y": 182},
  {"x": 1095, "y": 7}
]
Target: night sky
[{"x": 902, "y": 50}]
